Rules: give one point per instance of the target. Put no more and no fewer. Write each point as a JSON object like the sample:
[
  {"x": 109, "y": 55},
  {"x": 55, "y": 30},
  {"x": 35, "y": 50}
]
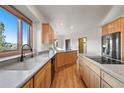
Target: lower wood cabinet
[
  {"x": 70, "y": 57},
  {"x": 88, "y": 73},
  {"x": 94, "y": 77},
  {"x": 29, "y": 84},
  {"x": 94, "y": 81},
  {"x": 104, "y": 84},
  {"x": 43, "y": 77},
  {"x": 64, "y": 58},
  {"x": 86, "y": 76},
  {"x": 111, "y": 81},
  {"x": 60, "y": 59}
]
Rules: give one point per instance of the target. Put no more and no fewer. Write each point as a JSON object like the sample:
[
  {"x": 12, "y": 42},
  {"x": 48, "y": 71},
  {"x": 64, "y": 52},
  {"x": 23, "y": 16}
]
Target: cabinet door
[
  {"x": 70, "y": 57},
  {"x": 81, "y": 69},
  {"x": 60, "y": 59},
  {"x": 45, "y": 33},
  {"x": 39, "y": 79},
  {"x": 86, "y": 76},
  {"x": 94, "y": 80},
  {"x": 48, "y": 75},
  {"x": 104, "y": 84},
  {"x": 29, "y": 84},
  {"x": 43, "y": 78},
  {"x": 97, "y": 81},
  {"x": 105, "y": 30}
]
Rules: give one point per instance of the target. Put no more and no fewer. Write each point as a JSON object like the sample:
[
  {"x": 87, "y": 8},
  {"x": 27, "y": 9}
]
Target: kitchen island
[{"x": 98, "y": 75}]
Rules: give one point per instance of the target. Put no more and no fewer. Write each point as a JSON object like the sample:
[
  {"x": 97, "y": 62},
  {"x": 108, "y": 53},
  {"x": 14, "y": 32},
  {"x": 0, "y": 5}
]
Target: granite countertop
[
  {"x": 16, "y": 74},
  {"x": 115, "y": 70},
  {"x": 59, "y": 51}
]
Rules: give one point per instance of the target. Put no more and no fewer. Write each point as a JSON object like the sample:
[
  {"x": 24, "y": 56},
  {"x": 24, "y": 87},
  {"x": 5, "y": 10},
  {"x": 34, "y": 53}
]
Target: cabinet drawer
[
  {"x": 104, "y": 84},
  {"x": 111, "y": 80}
]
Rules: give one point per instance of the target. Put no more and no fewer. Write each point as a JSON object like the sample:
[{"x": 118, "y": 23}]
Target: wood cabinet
[
  {"x": 64, "y": 58},
  {"x": 115, "y": 26},
  {"x": 43, "y": 77},
  {"x": 29, "y": 84},
  {"x": 70, "y": 57},
  {"x": 86, "y": 75},
  {"x": 111, "y": 81},
  {"x": 47, "y": 33},
  {"x": 104, "y": 84},
  {"x": 94, "y": 80},
  {"x": 48, "y": 75},
  {"x": 60, "y": 59},
  {"x": 89, "y": 73},
  {"x": 112, "y": 27},
  {"x": 105, "y": 30},
  {"x": 81, "y": 68}
]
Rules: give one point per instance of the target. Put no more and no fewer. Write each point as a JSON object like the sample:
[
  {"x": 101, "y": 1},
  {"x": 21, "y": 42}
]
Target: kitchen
[{"x": 42, "y": 50}]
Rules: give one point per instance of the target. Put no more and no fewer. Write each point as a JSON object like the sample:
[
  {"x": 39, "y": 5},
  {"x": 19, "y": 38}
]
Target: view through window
[
  {"x": 14, "y": 30},
  {"x": 8, "y": 31},
  {"x": 25, "y": 29}
]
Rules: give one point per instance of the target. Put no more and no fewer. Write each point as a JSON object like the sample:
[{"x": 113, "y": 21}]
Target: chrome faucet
[{"x": 22, "y": 52}]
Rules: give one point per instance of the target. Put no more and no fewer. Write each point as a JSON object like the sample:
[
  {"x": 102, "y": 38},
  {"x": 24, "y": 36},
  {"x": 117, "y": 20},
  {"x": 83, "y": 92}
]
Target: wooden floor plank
[{"x": 68, "y": 77}]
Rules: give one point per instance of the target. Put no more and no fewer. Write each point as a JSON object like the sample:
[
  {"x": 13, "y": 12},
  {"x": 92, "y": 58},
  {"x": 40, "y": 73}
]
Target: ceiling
[{"x": 74, "y": 18}]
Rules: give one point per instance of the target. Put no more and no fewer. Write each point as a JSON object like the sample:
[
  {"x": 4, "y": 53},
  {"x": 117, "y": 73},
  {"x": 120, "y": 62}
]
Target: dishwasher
[{"x": 52, "y": 68}]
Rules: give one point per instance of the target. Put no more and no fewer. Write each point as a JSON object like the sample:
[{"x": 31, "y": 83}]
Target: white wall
[
  {"x": 37, "y": 37},
  {"x": 93, "y": 41},
  {"x": 61, "y": 42},
  {"x": 116, "y": 12},
  {"x": 37, "y": 18},
  {"x": 94, "y": 35}
]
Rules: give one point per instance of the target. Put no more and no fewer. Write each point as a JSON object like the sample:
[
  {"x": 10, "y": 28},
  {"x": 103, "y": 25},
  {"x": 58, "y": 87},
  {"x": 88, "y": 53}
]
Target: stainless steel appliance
[
  {"x": 111, "y": 46},
  {"x": 52, "y": 68}
]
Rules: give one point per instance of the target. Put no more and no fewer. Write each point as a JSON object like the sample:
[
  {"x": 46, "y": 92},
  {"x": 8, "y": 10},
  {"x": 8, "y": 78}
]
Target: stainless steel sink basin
[{"x": 20, "y": 66}]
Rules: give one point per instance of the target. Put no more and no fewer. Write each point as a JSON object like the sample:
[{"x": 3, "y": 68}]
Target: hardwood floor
[{"x": 68, "y": 77}]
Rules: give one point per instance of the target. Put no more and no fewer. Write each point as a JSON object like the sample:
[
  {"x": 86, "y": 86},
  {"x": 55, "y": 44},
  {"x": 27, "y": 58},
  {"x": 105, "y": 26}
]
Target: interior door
[{"x": 82, "y": 44}]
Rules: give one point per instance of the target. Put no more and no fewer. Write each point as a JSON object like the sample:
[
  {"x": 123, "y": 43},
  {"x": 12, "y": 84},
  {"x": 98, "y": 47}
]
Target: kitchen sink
[{"x": 20, "y": 66}]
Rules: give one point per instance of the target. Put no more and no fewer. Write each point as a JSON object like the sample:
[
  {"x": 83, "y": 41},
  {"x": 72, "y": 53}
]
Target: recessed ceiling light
[
  {"x": 61, "y": 23},
  {"x": 72, "y": 27}
]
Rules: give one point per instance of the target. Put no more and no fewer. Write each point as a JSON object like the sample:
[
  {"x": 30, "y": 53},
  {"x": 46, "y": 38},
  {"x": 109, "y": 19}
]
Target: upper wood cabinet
[
  {"x": 112, "y": 27},
  {"x": 115, "y": 26},
  {"x": 47, "y": 33}
]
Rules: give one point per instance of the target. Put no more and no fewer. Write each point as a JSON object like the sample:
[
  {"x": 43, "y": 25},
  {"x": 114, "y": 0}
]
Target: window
[
  {"x": 15, "y": 30},
  {"x": 8, "y": 31},
  {"x": 25, "y": 32}
]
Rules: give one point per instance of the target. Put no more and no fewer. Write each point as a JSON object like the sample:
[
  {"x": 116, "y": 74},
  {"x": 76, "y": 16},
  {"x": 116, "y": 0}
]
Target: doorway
[
  {"x": 67, "y": 44},
  {"x": 82, "y": 44}
]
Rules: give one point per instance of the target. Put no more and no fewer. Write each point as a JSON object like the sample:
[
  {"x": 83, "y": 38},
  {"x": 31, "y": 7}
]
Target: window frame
[{"x": 21, "y": 17}]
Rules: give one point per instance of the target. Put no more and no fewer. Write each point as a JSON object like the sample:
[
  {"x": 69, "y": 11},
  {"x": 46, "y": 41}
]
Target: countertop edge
[{"x": 102, "y": 67}]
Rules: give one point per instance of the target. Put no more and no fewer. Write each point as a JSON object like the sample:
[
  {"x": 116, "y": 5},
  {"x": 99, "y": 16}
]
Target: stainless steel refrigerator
[{"x": 111, "y": 46}]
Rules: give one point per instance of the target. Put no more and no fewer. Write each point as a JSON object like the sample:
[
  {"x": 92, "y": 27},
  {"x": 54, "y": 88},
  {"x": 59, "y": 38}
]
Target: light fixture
[
  {"x": 61, "y": 23},
  {"x": 71, "y": 27}
]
